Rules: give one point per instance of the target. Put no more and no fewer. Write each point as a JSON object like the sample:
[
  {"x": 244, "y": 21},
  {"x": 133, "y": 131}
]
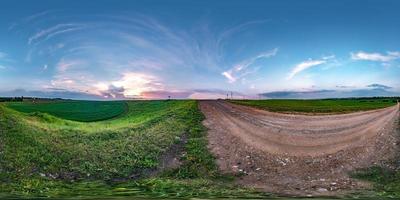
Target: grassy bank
[
  {"x": 318, "y": 106},
  {"x": 42, "y": 155}
]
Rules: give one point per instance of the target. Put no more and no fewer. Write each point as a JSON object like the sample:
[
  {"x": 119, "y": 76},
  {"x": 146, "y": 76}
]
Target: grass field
[
  {"x": 110, "y": 147},
  {"x": 41, "y": 154},
  {"x": 84, "y": 111},
  {"x": 318, "y": 106}
]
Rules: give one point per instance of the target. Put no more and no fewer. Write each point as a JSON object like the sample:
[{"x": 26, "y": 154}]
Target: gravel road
[{"x": 299, "y": 154}]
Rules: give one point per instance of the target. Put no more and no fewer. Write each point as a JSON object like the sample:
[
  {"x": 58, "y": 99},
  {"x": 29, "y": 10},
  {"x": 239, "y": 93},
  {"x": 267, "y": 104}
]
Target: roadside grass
[
  {"x": 323, "y": 106},
  {"x": 42, "y": 155},
  {"x": 386, "y": 181},
  {"x": 84, "y": 111}
]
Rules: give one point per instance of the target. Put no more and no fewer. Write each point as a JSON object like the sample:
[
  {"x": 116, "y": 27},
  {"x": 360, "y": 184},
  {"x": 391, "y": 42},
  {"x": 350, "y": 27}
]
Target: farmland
[
  {"x": 105, "y": 148},
  {"x": 325, "y": 106},
  {"x": 45, "y": 155},
  {"x": 84, "y": 111}
]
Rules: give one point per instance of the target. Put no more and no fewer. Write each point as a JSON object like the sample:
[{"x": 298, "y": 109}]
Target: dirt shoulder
[{"x": 298, "y": 154}]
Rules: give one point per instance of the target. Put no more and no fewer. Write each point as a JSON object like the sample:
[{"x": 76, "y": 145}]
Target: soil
[{"x": 300, "y": 155}]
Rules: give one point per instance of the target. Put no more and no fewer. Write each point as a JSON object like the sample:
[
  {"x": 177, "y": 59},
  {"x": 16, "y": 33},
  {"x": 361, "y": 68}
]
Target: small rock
[
  {"x": 42, "y": 175},
  {"x": 322, "y": 190},
  {"x": 258, "y": 169}
]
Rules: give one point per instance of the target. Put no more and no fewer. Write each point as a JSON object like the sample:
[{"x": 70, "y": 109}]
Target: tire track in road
[{"x": 299, "y": 135}]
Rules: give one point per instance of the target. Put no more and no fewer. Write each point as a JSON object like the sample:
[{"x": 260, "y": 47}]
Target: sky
[{"x": 199, "y": 49}]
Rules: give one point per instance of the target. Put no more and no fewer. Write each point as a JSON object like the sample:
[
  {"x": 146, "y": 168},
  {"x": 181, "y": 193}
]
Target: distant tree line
[
  {"x": 22, "y": 98},
  {"x": 11, "y": 99}
]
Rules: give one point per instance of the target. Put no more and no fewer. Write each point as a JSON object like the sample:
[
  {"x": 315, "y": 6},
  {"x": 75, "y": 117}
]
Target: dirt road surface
[{"x": 299, "y": 154}]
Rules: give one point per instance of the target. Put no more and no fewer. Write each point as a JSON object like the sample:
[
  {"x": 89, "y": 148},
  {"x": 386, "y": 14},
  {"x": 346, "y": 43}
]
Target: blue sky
[{"x": 199, "y": 49}]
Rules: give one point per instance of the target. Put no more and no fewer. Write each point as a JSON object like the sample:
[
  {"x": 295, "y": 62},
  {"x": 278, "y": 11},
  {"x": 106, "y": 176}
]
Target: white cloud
[
  {"x": 2, "y": 67},
  {"x": 239, "y": 70},
  {"x": 303, "y": 66},
  {"x": 45, "y": 67},
  {"x": 136, "y": 83},
  {"x": 390, "y": 56},
  {"x": 328, "y": 60},
  {"x": 229, "y": 76}
]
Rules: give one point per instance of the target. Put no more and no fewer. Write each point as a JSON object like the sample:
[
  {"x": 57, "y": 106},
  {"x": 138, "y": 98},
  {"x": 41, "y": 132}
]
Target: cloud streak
[
  {"x": 303, "y": 66},
  {"x": 53, "y": 31},
  {"x": 378, "y": 57},
  {"x": 310, "y": 63},
  {"x": 240, "y": 70}
]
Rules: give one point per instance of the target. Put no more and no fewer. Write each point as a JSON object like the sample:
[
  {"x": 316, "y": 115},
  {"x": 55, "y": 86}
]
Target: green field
[
  {"x": 84, "y": 111},
  {"x": 41, "y": 154},
  {"x": 318, "y": 106},
  {"x": 113, "y": 148}
]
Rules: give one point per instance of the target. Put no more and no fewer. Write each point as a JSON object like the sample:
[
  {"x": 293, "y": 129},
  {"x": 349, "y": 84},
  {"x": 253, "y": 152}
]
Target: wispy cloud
[
  {"x": 2, "y": 67},
  {"x": 5, "y": 59},
  {"x": 30, "y": 19},
  {"x": 135, "y": 43},
  {"x": 63, "y": 65},
  {"x": 36, "y": 15},
  {"x": 310, "y": 63},
  {"x": 53, "y": 31},
  {"x": 303, "y": 66},
  {"x": 389, "y": 56},
  {"x": 240, "y": 70},
  {"x": 238, "y": 28}
]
